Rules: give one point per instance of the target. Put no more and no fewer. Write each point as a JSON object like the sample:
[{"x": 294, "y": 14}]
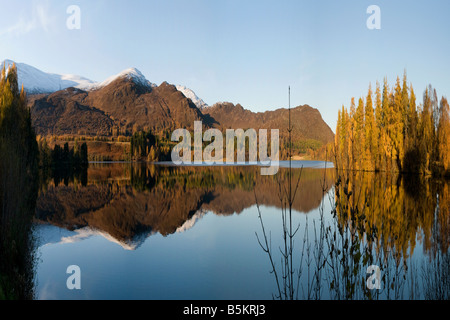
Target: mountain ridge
[
  {"x": 127, "y": 102},
  {"x": 36, "y": 81}
]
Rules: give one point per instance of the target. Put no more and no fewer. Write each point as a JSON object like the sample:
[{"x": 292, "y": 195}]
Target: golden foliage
[{"x": 395, "y": 136}]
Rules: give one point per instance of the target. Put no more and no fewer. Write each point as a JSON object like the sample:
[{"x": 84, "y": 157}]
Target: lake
[{"x": 158, "y": 231}]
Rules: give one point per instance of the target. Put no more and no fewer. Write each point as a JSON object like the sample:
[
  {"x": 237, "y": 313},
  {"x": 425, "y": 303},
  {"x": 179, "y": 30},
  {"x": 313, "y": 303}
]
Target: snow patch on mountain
[
  {"x": 131, "y": 74},
  {"x": 188, "y": 93},
  {"x": 37, "y": 81}
]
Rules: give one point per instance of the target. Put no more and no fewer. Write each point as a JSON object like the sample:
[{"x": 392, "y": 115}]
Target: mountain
[
  {"x": 306, "y": 121},
  {"x": 64, "y": 112},
  {"x": 134, "y": 106},
  {"x": 188, "y": 93},
  {"x": 36, "y": 81},
  {"x": 131, "y": 74},
  {"x": 127, "y": 102}
]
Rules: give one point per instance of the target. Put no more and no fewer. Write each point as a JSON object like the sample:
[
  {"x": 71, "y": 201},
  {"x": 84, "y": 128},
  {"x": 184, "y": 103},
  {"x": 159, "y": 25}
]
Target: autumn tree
[
  {"x": 443, "y": 136},
  {"x": 413, "y": 157},
  {"x": 371, "y": 133},
  {"x": 388, "y": 126},
  {"x": 359, "y": 135},
  {"x": 351, "y": 134},
  {"x": 397, "y": 125},
  {"x": 337, "y": 138},
  {"x": 341, "y": 141},
  {"x": 396, "y": 135},
  {"x": 426, "y": 131},
  {"x": 379, "y": 121}
]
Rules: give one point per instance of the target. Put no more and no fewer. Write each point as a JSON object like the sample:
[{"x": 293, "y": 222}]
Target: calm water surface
[{"x": 165, "y": 232}]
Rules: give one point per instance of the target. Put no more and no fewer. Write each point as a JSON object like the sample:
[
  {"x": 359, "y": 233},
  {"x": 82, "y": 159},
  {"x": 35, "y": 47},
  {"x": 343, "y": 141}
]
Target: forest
[
  {"x": 146, "y": 146},
  {"x": 62, "y": 158},
  {"x": 390, "y": 131}
]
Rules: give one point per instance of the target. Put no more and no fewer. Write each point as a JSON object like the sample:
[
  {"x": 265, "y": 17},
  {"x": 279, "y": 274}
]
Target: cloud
[{"x": 38, "y": 18}]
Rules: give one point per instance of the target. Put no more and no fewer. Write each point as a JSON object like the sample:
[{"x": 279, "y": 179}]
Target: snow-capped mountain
[
  {"x": 37, "y": 81},
  {"x": 131, "y": 74},
  {"x": 188, "y": 93}
]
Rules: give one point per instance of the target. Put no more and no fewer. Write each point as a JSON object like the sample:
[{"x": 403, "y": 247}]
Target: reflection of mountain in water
[
  {"x": 192, "y": 221},
  {"x": 126, "y": 204},
  {"x": 47, "y": 234}
]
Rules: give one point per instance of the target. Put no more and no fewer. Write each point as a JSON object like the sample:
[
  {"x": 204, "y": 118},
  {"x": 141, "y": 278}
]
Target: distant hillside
[
  {"x": 306, "y": 121},
  {"x": 127, "y": 106},
  {"x": 124, "y": 105},
  {"x": 63, "y": 112}
]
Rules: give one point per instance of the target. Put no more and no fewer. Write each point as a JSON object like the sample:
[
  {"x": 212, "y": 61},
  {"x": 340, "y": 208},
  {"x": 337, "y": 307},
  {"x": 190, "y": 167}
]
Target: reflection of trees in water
[
  {"x": 66, "y": 176},
  {"x": 376, "y": 220},
  {"x": 436, "y": 270},
  {"x": 436, "y": 276},
  {"x": 311, "y": 262},
  {"x": 127, "y": 200},
  {"x": 379, "y": 218},
  {"x": 398, "y": 212}
]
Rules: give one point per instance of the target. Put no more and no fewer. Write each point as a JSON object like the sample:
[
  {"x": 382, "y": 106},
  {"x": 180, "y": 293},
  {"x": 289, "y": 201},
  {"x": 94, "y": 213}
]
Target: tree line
[
  {"x": 388, "y": 131},
  {"x": 63, "y": 157},
  {"x": 146, "y": 146}
]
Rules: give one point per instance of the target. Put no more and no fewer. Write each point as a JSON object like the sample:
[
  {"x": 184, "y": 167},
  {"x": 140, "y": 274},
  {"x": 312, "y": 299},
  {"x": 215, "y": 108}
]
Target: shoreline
[{"x": 282, "y": 164}]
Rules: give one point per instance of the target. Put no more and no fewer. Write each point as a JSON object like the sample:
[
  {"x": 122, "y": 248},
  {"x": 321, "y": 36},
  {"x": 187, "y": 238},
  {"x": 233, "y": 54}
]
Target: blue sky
[{"x": 244, "y": 51}]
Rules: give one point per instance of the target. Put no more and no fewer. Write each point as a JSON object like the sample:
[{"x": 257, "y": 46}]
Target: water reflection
[
  {"x": 377, "y": 222},
  {"x": 351, "y": 221},
  {"x": 18, "y": 192},
  {"x": 131, "y": 202}
]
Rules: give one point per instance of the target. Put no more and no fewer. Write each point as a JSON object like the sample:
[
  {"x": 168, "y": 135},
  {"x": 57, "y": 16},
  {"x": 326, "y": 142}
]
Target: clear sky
[{"x": 242, "y": 51}]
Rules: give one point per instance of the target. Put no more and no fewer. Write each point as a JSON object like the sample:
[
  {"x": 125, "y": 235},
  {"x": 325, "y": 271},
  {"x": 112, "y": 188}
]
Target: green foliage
[
  {"x": 62, "y": 158},
  {"x": 303, "y": 146},
  {"x": 63, "y": 164},
  {"x": 147, "y": 178},
  {"x": 141, "y": 144},
  {"x": 146, "y": 146}
]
